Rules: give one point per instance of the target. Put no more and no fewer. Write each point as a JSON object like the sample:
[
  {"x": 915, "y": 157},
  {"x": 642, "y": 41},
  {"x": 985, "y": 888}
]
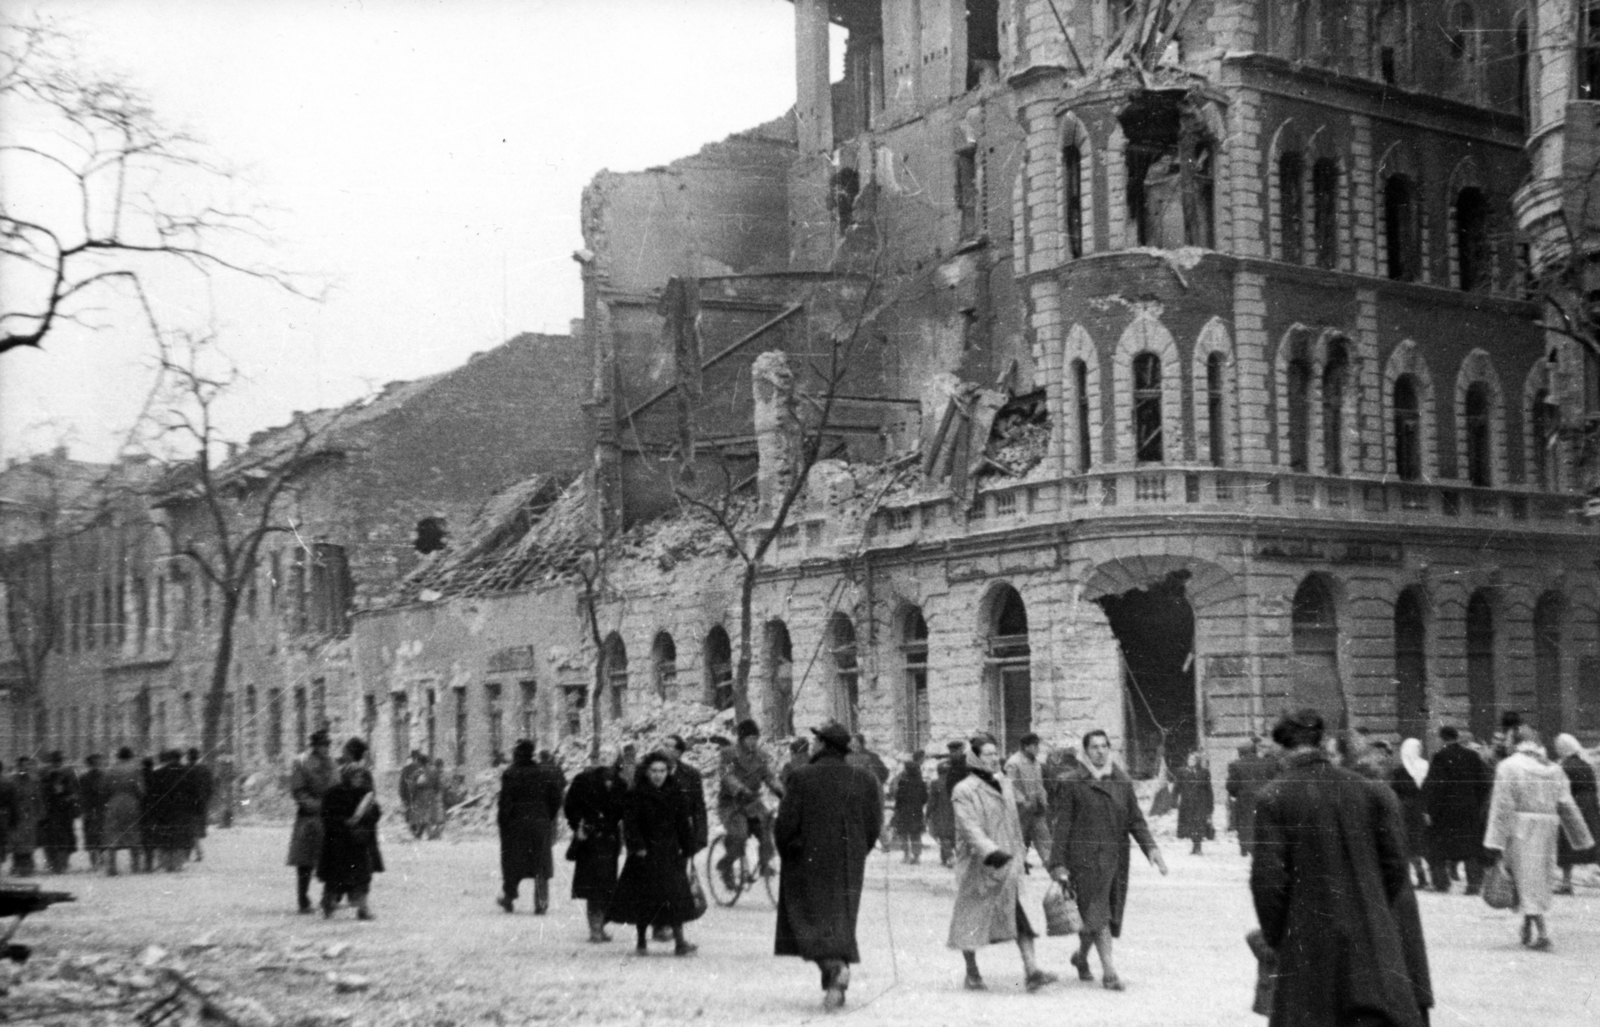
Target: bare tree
[{"x": 103, "y": 195}]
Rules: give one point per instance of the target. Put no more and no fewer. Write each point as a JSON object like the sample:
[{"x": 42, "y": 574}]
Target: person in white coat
[
  {"x": 1531, "y": 803},
  {"x": 988, "y": 865}
]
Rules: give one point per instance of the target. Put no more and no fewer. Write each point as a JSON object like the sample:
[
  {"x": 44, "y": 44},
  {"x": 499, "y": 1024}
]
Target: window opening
[
  {"x": 1543, "y": 427},
  {"x": 1009, "y": 662},
  {"x": 1171, "y": 182},
  {"x": 1407, "y": 429},
  {"x": 460, "y": 701},
  {"x": 431, "y": 535},
  {"x": 1472, "y": 239},
  {"x": 527, "y": 707},
  {"x": 1391, "y": 34},
  {"x": 616, "y": 675},
  {"x": 1547, "y": 658},
  {"x": 846, "y": 188},
  {"x": 1291, "y": 194},
  {"x": 1072, "y": 172},
  {"x": 914, "y": 651},
  {"x": 1524, "y": 70},
  {"x": 1410, "y": 666},
  {"x": 846, "y": 670},
  {"x": 1080, "y": 382},
  {"x": 400, "y": 726},
  {"x": 1147, "y": 408},
  {"x": 983, "y": 41},
  {"x": 1214, "y": 409},
  {"x": 1479, "y": 451},
  {"x": 1400, "y": 227},
  {"x": 780, "y": 678},
  {"x": 1299, "y": 388},
  {"x": 495, "y": 716},
  {"x": 1335, "y": 378},
  {"x": 1463, "y": 36},
  {"x": 967, "y": 191},
  {"x": 1589, "y": 59},
  {"x": 664, "y": 658},
  {"x": 719, "y": 668}
]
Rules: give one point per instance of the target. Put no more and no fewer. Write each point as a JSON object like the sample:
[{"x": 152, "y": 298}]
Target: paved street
[{"x": 442, "y": 954}]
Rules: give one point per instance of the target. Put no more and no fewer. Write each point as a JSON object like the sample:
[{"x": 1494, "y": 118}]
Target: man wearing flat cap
[
  {"x": 745, "y": 769},
  {"x": 310, "y": 778},
  {"x": 828, "y": 822}
]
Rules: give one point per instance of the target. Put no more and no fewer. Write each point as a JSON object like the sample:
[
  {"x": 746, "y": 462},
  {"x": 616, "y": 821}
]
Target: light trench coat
[
  {"x": 986, "y": 897},
  {"x": 1532, "y": 801}
]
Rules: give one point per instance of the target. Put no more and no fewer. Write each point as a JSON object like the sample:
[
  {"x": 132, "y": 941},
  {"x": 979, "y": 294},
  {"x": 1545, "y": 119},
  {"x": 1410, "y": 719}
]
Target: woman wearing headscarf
[
  {"x": 594, "y": 808},
  {"x": 1532, "y": 802},
  {"x": 1584, "y": 792},
  {"x": 1406, "y": 780},
  {"x": 350, "y": 813},
  {"x": 653, "y": 889}
]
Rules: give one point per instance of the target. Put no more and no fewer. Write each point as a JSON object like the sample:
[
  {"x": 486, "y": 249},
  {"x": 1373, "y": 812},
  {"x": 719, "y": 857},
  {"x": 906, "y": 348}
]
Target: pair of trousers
[
  {"x": 541, "y": 891},
  {"x": 738, "y": 831},
  {"x": 1439, "y": 870}
]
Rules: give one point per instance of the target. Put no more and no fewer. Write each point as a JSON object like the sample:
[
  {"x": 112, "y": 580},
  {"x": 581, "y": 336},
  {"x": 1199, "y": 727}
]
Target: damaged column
[{"x": 777, "y": 428}]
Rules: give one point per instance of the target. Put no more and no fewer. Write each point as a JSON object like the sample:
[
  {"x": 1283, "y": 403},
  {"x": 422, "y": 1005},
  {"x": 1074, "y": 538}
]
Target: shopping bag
[
  {"x": 1499, "y": 890},
  {"x": 1061, "y": 916}
]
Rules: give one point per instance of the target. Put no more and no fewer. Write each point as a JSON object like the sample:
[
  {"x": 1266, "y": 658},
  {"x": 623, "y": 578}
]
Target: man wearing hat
[
  {"x": 312, "y": 774},
  {"x": 941, "y": 815},
  {"x": 744, "y": 770},
  {"x": 827, "y": 823}
]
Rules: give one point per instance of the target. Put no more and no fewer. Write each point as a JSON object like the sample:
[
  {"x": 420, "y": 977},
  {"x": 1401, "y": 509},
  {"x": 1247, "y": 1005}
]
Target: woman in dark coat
[
  {"x": 530, "y": 802},
  {"x": 1407, "y": 780},
  {"x": 940, "y": 815},
  {"x": 124, "y": 798},
  {"x": 653, "y": 889},
  {"x": 166, "y": 812},
  {"x": 910, "y": 796},
  {"x": 1584, "y": 793},
  {"x": 58, "y": 786},
  {"x": 1455, "y": 795},
  {"x": 594, "y": 810},
  {"x": 1195, "y": 801},
  {"x": 350, "y": 853}
]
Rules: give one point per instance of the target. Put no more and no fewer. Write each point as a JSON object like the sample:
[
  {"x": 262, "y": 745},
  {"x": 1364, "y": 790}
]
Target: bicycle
[{"x": 745, "y": 872}]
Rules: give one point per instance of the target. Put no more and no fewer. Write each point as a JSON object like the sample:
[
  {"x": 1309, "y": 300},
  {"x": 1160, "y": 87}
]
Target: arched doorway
[
  {"x": 914, "y": 657},
  {"x": 719, "y": 668},
  {"x": 1314, "y": 670},
  {"x": 779, "y": 660},
  {"x": 1154, "y": 628},
  {"x": 1482, "y": 714},
  {"x": 614, "y": 675},
  {"x": 1547, "y": 664},
  {"x": 846, "y": 696},
  {"x": 1009, "y": 669},
  {"x": 1410, "y": 666}
]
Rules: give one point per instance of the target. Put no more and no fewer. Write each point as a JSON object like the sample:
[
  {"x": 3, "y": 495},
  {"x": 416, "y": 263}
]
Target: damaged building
[{"x": 1194, "y": 370}]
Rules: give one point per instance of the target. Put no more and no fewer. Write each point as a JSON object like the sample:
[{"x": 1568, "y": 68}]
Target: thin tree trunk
[
  {"x": 216, "y": 694},
  {"x": 741, "y": 675}
]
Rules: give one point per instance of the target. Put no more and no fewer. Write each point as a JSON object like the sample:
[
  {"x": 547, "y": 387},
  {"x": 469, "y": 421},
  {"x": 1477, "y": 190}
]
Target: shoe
[
  {"x": 305, "y": 905},
  {"x": 1527, "y": 932},
  {"x": 1542, "y": 944},
  {"x": 833, "y": 999},
  {"x": 728, "y": 882},
  {"x": 538, "y": 910},
  {"x": 1039, "y": 979},
  {"x": 974, "y": 983},
  {"x": 1112, "y": 983},
  {"x": 641, "y": 949},
  {"x": 365, "y": 914},
  {"x": 327, "y": 911},
  {"x": 598, "y": 936},
  {"x": 1561, "y": 889},
  {"x": 1081, "y": 963},
  {"x": 503, "y": 902},
  {"x": 661, "y": 934},
  {"x": 685, "y": 948}
]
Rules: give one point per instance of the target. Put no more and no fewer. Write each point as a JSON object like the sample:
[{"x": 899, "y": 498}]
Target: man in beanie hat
[
  {"x": 745, "y": 769},
  {"x": 827, "y": 824}
]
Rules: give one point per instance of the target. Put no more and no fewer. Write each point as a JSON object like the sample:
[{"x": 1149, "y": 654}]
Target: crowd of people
[{"x": 155, "y": 807}]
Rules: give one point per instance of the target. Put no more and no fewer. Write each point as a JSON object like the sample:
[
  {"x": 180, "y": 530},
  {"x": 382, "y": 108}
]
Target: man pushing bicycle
[{"x": 744, "y": 770}]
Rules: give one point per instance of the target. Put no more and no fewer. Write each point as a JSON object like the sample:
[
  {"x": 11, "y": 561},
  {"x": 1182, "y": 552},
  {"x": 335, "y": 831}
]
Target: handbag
[
  {"x": 1061, "y": 916},
  {"x": 1499, "y": 890},
  {"x": 697, "y": 893}
]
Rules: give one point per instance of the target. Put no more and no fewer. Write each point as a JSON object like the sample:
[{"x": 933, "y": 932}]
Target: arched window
[
  {"x": 1407, "y": 429},
  {"x": 1547, "y": 658},
  {"x": 1325, "y": 211},
  {"x": 1080, "y": 388},
  {"x": 1391, "y": 35},
  {"x": 780, "y": 678},
  {"x": 1482, "y": 715},
  {"x": 1147, "y": 407},
  {"x": 1410, "y": 666},
  {"x": 846, "y": 670},
  {"x": 1215, "y": 424},
  {"x": 1480, "y": 452},
  {"x": 1335, "y": 381},
  {"x": 664, "y": 664},
  {"x": 1291, "y": 203},
  {"x": 1542, "y": 429},
  {"x": 1009, "y": 669},
  {"x": 1298, "y": 384},
  {"x": 914, "y": 652},
  {"x": 1472, "y": 240},
  {"x": 614, "y": 674},
  {"x": 1072, "y": 183},
  {"x": 1400, "y": 227},
  {"x": 1314, "y": 676},
  {"x": 719, "y": 668}
]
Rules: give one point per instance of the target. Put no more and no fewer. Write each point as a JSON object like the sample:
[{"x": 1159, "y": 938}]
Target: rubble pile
[
  {"x": 263, "y": 797},
  {"x": 669, "y": 541},
  {"x": 1020, "y": 438}
]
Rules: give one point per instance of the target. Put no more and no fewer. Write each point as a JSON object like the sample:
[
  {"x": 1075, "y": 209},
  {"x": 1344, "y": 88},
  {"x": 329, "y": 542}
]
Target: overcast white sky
[{"x": 426, "y": 157}]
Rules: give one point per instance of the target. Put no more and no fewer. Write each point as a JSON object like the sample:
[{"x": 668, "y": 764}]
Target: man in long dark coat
[
  {"x": 530, "y": 802},
  {"x": 1455, "y": 796},
  {"x": 28, "y": 800},
  {"x": 1246, "y": 777},
  {"x": 1329, "y": 871},
  {"x": 310, "y": 778},
  {"x": 692, "y": 784},
  {"x": 58, "y": 787},
  {"x": 92, "y": 799},
  {"x": 202, "y": 784},
  {"x": 594, "y": 809},
  {"x": 828, "y": 822},
  {"x": 1096, "y": 814}
]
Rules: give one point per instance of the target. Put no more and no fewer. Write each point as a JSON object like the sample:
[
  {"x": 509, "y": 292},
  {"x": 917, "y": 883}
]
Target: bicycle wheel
[{"x": 721, "y": 894}]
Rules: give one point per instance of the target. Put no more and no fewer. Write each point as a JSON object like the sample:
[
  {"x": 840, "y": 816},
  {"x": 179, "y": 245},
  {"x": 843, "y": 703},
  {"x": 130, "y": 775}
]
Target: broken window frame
[
  {"x": 528, "y": 707},
  {"x": 1192, "y": 153},
  {"x": 664, "y": 663},
  {"x": 1148, "y": 441},
  {"x": 914, "y": 661},
  {"x": 459, "y": 736},
  {"x": 718, "y": 668},
  {"x": 983, "y": 40},
  {"x": 843, "y": 646},
  {"x": 615, "y": 656},
  {"x": 1541, "y": 433}
]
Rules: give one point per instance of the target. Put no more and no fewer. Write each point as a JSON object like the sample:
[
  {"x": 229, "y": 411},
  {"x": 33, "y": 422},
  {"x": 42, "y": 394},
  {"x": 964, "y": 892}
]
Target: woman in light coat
[
  {"x": 1531, "y": 803},
  {"x": 988, "y": 865}
]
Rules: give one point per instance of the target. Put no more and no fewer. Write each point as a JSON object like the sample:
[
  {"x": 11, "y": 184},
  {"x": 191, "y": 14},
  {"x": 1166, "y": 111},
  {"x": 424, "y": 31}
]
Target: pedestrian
[
  {"x": 349, "y": 854},
  {"x": 92, "y": 800},
  {"x": 58, "y": 789},
  {"x": 989, "y": 858},
  {"x": 202, "y": 783},
  {"x": 863, "y": 757},
  {"x": 1246, "y": 776},
  {"x": 427, "y": 798},
  {"x": 144, "y": 857},
  {"x": 740, "y": 806},
  {"x": 653, "y": 888},
  {"x": 408, "y": 787},
  {"x": 1196, "y": 801},
  {"x": 1582, "y": 779},
  {"x": 940, "y": 817},
  {"x": 594, "y": 808},
  {"x": 1033, "y": 807},
  {"x": 436, "y": 807},
  {"x": 24, "y": 835},
  {"x": 124, "y": 792},
  {"x": 526, "y": 812},
  {"x": 1455, "y": 797},
  {"x": 1531, "y": 803},
  {"x": 1329, "y": 867},
  {"x": 910, "y": 796},
  {"x": 692, "y": 784},
  {"x": 312, "y": 774},
  {"x": 1096, "y": 816},
  {"x": 1407, "y": 778},
  {"x": 168, "y": 816},
  {"x": 827, "y": 824}
]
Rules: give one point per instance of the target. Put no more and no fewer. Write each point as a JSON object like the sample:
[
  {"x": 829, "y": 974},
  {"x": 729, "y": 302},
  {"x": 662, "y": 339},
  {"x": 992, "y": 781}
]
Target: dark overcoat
[
  {"x": 350, "y": 854},
  {"x": 692, "y": 784},
  {"x": 167, "y": 822},
  {"x": 1247, "y": 775},
  {"x": 309, "y": 779},
  {"x": 653, "y": 887},
  {"x": 910, "y": 796},
  {"x": 527, "y": 810},
  {"x": 594, "y": 809},
  {"x": 828, "y": 821},
  {"x": 1581, "y": 776},
  {"x": 124, "y": 790},
  {"x": 1413, "y": 810},
  {"x": 92, "y": 797},
  {"x": 941, "y": 815},
  {"x": 1192, "y": 786},
  {"x": 58, "y": 787},
  {"x": 1094, "y": 819},
  {"x": 1455, "y": 795},
  {"x": 28, "y": 806},
  {"x": 202, "y": 784},
  {"x": 1328, "y": 875}
]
